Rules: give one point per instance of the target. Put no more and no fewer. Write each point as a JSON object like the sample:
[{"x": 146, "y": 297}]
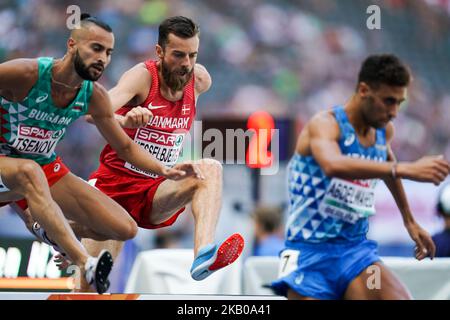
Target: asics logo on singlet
[
  {"x": 151, "y": 107},
  {"x": 299, "y": 278},
  {"x": 349, "y": 140},
  {"x": 56, "y": 167},
  {"x": 41, "y": 98}
]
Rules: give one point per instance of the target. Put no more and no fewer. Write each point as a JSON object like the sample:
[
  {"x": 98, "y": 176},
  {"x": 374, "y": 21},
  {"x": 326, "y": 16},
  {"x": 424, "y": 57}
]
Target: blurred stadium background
[{"x": 289, "y": 58}]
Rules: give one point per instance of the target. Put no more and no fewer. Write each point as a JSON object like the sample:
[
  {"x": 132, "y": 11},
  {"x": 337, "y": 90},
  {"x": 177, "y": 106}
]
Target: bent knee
[
  {"x": 210, "y": 165},
  {"x": 29, "y": 170},
  {"x": 128, "y": 230},
  {"x": 30, "y": 175}
]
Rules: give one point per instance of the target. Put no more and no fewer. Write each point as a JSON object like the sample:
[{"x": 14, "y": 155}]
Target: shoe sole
[
  {"x": 227, "y": 253},
  {"x": 102, "y": 270}
]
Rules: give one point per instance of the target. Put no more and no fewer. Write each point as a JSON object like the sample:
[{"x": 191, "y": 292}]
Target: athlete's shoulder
[
  {"x": 324, "y": 122},
  {"x": 203, "y": 79},
  {"x": 17, "y": 77},
  {"x": 324, "y": 119},
  {"x": 141, "y": 69},
  {"x": 100, "y": 103},
  {"x": 137, "y": 81},
  {"x": 99, "y": 94},
  {"x": 23, "y": 64},
  {"x": 24, "y": 69},
  {"x": 137, "y": 76}
]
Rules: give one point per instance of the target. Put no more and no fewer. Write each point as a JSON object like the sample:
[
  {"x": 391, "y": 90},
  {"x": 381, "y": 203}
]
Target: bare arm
[
  {"x": 17, "y": 77},
  {"x": 395, "y": 185},
  {"x": 324, "y": 136},
  {"x": 101, "y": 111},
  {"x": 132, "y": 88},
  {"x": 425, "y": 244}
]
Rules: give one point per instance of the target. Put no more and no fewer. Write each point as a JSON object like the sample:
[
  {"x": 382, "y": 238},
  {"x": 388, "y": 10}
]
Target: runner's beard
[
  {"x": 83, "y": 70},
  {"x": 173, "y": 80}
]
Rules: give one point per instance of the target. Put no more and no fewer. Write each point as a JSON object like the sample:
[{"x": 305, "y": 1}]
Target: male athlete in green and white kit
[{"x": 39, "y": 98}]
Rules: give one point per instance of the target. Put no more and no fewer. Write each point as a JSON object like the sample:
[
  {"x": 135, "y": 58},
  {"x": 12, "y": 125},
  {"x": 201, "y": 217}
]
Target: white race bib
[
  {"x": 36, "y": 141},
  {"x": 349, "y": 200},
  {"x": 164, "y": 146}
]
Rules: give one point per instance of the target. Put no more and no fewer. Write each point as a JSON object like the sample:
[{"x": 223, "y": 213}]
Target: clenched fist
[{"x": 136, "y": 118}]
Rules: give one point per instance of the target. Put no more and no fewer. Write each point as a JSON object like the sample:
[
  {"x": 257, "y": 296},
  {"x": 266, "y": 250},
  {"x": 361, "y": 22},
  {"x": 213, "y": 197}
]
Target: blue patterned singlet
[{"x": 327, "y": 209}]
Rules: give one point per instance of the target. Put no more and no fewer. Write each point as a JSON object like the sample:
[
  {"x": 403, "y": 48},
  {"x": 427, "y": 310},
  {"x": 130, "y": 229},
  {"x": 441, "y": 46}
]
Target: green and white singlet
[{"x": 31, "y": 129}]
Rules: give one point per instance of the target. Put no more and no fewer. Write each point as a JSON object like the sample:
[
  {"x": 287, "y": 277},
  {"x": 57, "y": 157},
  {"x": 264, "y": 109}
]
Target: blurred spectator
[
  {"x": 442, "y": 239},
  {"x": 268, "y": 223},
  {"x": 168, "y": 239}
]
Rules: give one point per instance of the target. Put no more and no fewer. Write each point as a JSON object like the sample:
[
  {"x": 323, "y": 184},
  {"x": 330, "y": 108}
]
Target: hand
[
  {"x": 182, "y": 171},
  {"x": 424, "y": 243},
  {"x": 136, "y": 117},
  {"x": 427, "y": 169},
  {"x": 191, "y": 169}
]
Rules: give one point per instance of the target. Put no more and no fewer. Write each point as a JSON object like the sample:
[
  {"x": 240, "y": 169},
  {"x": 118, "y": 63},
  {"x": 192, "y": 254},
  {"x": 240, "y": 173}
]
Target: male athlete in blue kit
[{"x": 340, "y": 155}]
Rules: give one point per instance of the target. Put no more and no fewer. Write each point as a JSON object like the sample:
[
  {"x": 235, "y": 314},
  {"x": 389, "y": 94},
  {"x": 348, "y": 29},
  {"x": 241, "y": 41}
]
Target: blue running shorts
[{"x": 323, "y": 270}]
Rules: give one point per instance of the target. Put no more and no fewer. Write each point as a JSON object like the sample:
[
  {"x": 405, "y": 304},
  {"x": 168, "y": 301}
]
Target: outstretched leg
[
  {"x": 205, "y": 195},
  {"x": 26, "y": 180},
  {"x": 96, "y": 215}
]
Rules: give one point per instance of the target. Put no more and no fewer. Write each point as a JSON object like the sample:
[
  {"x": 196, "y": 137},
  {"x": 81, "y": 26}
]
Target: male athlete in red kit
[{"x": 155, "y": 103}]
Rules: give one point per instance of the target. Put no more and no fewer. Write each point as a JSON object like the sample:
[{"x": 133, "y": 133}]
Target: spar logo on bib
[
  {"x": 37, "y": 141},
  {"x": 164, "y": 146},
  {"x": 159, "y": 137}
]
